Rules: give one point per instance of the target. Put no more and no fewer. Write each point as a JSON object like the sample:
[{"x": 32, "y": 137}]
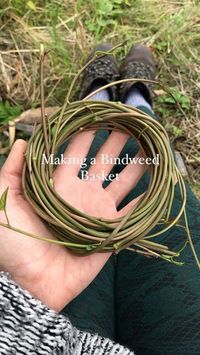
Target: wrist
[{"x": 45, "y": 291}]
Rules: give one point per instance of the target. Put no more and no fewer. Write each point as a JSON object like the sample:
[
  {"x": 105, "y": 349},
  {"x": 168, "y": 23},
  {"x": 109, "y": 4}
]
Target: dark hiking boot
[
  {"x": 138, "y": 64},
  {"x": 103, "y": 70}
]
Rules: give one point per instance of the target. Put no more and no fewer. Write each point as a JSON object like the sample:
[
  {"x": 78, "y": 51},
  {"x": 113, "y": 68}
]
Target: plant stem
[
  {"x": 44, "y": 117},
  {"x": 46, "y": 239},
  {"x": 6, "y": 215}
]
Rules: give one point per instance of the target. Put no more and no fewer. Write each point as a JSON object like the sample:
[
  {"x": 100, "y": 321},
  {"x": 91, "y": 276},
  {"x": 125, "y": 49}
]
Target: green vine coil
[{"x": 86, "y": 234}]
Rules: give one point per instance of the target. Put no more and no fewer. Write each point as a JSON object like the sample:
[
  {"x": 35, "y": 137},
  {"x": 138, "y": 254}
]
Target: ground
[{"x": 69, "y": 29}]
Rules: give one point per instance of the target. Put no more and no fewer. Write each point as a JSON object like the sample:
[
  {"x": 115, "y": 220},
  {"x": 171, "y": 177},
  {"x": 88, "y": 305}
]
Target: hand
[
  {"x": 50, "y": 272},
  {"x": 88, "y": 195}
]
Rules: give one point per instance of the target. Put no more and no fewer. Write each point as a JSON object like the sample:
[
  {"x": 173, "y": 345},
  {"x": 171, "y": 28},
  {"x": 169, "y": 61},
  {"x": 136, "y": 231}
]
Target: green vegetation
[
  {"x": 9, "y": 112},
  {"x": 70, "y": 28}
]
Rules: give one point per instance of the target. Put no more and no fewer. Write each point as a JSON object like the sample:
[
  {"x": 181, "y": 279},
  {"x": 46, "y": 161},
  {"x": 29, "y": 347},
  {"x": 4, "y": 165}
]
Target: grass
[{"x": 70, "y": 29}]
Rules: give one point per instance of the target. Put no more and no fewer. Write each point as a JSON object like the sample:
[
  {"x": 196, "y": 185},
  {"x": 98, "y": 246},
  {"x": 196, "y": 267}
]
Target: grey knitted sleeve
[{"x": 28, "y": 327}]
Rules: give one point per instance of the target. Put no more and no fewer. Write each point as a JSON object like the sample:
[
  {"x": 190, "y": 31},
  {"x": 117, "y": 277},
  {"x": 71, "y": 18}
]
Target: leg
[
  {"x": 93, "y": 310},
  {"x": 159, "y": 303}
]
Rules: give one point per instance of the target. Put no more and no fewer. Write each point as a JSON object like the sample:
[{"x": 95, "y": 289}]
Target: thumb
[{"x": 11, "y": 171}]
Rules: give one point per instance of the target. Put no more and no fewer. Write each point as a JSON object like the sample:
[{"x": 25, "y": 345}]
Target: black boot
[
  {"x": 138, "y": 64},
  {"x": 103, "y": 70}
]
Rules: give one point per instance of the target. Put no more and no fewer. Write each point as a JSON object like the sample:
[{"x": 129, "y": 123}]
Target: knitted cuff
[{"x": 29, "y": 327}]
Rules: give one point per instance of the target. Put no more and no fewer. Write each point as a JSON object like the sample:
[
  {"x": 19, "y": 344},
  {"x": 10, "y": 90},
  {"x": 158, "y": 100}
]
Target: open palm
[
  {"x": 88, "y": 195},
  {"x": 49, "y": 271}
]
